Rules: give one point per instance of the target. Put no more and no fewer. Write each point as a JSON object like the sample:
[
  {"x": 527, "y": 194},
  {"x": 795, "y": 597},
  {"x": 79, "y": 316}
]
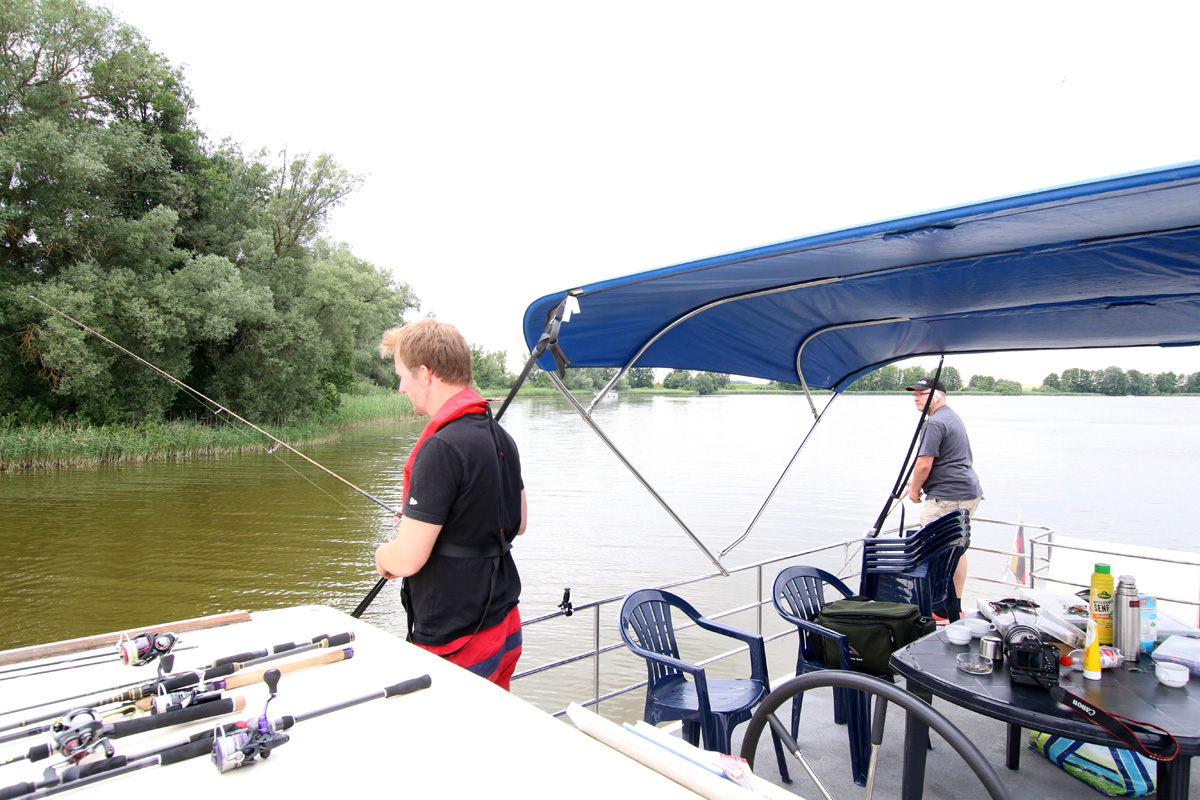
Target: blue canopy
[{"x": 1107, "y": 263}]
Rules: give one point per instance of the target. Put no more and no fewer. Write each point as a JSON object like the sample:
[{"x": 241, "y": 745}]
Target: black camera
[{"x": 1030, "y": 660}]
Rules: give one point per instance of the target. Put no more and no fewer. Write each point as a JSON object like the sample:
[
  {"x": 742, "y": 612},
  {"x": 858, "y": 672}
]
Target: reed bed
[{"x": 66, "y": 444}]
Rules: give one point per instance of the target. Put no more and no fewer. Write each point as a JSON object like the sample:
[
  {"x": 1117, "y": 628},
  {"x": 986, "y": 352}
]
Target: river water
[{"x": 91, "y": 550}]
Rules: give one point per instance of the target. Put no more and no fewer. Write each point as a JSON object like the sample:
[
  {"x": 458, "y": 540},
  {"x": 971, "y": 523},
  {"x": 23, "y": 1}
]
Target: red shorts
[{"x": 491, "y": 653}]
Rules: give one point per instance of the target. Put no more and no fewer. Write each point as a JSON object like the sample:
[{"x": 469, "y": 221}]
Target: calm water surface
[{"x": 99, "y": 549}]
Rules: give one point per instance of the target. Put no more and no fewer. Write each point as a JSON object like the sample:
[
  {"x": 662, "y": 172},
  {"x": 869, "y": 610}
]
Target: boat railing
[{"x": 1038, "y": 545}]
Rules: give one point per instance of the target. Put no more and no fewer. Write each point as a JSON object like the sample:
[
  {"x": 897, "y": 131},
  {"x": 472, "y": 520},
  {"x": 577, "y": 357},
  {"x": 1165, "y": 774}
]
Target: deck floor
[{"x": 947, "y": 776}]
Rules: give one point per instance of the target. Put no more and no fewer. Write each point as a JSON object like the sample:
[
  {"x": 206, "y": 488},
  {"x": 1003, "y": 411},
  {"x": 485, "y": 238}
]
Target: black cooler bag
[{"x": 873, "y": 630}]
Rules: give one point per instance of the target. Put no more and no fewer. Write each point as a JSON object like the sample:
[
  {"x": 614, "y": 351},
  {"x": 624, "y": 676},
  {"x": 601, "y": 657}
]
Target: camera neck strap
[{"x": 1123, "y": 728}]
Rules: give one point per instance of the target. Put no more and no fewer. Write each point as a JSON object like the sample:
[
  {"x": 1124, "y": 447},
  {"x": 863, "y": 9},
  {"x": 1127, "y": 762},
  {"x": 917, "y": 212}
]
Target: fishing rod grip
[
  {"x": 216, "y": 708},
  {"x": 366, "y": 601},
  {"x": 325, "y": 657},
  {"x": 17, "y": 790},
  {"x": 337, "y": 640},
  {"x": 410, "y": 685},
  {"x": 403, "y": 687},
  {"x": 40, "y": 752}
]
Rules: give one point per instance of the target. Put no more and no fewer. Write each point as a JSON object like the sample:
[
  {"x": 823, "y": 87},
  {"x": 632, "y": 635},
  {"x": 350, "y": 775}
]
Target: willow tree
[{"x": 114, "y": 208}]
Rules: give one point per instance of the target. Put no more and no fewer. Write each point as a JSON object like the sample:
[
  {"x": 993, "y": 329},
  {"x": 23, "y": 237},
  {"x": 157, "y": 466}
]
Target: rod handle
[{"x": 410, "y": 685}]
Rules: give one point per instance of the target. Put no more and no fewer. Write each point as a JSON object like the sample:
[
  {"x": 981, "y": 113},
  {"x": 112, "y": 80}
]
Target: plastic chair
[
  {"x": 711, "y": 706},
  {"x": 921, "y": 569},
  {"x": 799, "y": 596}
]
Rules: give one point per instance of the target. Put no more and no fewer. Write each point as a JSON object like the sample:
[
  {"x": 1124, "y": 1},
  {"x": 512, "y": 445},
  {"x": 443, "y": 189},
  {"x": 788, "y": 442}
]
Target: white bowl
[
  {"x": 1175, "y": 675},
  {"x": 958, "y": 633},
  {"x": 978, "y": 626}
]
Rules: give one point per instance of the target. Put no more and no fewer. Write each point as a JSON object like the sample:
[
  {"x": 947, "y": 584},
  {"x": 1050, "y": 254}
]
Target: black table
[{"x": 930, "y": 668}]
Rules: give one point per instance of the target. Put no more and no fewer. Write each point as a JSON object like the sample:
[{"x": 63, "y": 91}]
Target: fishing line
[{"x": 210, "y": 404}]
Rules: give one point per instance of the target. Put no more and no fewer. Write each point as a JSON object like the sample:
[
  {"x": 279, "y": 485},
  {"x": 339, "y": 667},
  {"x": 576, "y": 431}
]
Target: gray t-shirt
[{"x": 945, "y": 438}]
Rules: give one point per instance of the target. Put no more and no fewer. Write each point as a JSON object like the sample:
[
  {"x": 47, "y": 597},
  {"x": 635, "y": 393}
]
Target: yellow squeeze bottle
[
  {"x": 1100, "y": 607},
  {"x": 1091, "y": 653}
]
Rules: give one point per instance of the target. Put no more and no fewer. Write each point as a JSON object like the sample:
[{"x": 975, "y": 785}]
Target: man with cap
[{"x": 943, "y": 470}]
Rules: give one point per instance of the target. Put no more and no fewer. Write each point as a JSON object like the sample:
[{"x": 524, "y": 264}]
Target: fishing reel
[
  {"x": 165, "y": 702},
  {"x": 241, "y": 747},
  {"x": 145, "y": 647},
  {"x": 78, "y": 733}
]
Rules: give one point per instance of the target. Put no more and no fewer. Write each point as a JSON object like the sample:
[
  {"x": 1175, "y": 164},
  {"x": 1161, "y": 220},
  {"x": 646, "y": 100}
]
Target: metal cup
[{"x": 991, "y": 646}]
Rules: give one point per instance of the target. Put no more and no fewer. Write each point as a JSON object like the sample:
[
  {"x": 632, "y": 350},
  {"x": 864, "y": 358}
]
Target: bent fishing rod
[
  {"x": 231, "y": 746},
  {"x": 220, "y": 408},
  {"x": 218, "y": 669},
  {"x": 910, "y": 463}
]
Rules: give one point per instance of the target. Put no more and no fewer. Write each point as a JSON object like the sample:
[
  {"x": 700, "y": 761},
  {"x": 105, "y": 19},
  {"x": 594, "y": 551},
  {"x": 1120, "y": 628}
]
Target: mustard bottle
[{"x": 1100, "y": 607}]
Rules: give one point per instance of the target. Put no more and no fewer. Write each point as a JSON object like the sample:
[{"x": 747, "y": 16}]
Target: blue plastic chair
[
  {"x": 920, "y": 568},
  {"x": 799, "y": 596},
  {"x": 712, "y": 706}
]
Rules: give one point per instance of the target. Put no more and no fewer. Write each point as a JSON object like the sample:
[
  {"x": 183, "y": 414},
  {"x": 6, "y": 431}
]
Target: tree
[
  {"x": 641, "y": 378},
  {"x": 490, "y": 370},
  {"x": 1113, "y": 382},
  {"x": 678, "y": 379},
  {"x": 1078, "y": 380},
  {"x": 951, "y": 379},
  {"x": 1140, "y": 383},
  {"x": 113, "y": 209},
  {"x": 1167, "y": 382},
  {"x": 1008, "y": 387},
  {"x": 910, "y": 375},
  {"x": 303, "y": 195},
  {"x": 982, "y": 383},
  {"x": 1052, "y": 381},
  {"x": 704, "y": 383},
  {"x": 1193, "y": 383}
]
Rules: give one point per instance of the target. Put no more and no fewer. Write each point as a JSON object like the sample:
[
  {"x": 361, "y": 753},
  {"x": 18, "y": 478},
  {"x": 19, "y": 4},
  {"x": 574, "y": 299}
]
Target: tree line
[
  {"x": 1116, "y": 381},
  {"x": 203, "y": 259}
]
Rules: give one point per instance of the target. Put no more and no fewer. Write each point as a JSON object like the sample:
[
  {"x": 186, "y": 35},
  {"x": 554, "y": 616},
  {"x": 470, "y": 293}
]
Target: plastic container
[
  {"x": 1091, "y": 653},
  {"x": 1179, "y": 650},
  {"x": 1149, "y": 633},
  {"x": 1100, "y": 605}
]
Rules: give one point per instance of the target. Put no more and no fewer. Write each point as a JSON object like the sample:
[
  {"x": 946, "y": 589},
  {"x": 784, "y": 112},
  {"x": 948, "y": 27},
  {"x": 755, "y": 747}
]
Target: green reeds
[{"x": 64, "y": 444}]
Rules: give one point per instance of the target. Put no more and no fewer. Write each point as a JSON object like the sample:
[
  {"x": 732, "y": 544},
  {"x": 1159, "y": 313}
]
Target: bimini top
[{"x": 1109, "y": 263}]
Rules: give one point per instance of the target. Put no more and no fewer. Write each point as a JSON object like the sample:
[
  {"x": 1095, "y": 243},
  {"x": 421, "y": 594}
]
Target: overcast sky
[{"x": 512, "y": 149}]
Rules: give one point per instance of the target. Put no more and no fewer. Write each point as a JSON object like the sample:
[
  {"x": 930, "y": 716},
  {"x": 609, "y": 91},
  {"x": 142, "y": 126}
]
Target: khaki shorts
[{"x": 940, "y": 508}]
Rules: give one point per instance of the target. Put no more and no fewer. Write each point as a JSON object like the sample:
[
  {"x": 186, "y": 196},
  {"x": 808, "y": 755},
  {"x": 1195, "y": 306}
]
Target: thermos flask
[{"x": 1127, "y": 619}]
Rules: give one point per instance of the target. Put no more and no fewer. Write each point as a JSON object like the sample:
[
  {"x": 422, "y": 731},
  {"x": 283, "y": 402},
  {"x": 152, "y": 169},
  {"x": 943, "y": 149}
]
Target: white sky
[{"x": 517, "y": 148}]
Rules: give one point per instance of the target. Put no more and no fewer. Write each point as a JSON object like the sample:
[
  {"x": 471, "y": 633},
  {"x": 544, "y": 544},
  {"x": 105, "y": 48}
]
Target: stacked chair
[
  {"x": 918, "y": 569},
  {"x": 677, "y": 690}
]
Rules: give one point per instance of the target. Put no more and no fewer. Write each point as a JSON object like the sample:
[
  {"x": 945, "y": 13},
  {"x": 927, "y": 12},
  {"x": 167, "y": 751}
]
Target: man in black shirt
[{"x": 464, "y": 502}]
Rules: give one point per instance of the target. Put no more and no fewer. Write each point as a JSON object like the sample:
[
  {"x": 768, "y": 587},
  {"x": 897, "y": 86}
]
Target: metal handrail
[{"x": 1043, "y": 539}]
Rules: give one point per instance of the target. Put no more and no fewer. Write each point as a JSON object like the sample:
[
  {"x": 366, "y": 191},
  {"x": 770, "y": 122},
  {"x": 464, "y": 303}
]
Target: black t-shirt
[{"x": 456, "y": 483}]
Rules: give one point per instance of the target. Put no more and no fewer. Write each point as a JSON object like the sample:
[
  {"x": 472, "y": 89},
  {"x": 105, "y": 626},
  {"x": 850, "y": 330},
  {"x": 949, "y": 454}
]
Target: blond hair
[{"x": 438, "y": 345}]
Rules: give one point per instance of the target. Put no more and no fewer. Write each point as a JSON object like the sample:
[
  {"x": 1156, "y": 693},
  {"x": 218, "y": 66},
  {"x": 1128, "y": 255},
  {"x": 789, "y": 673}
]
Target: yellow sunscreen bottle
[{"x": 1091, "y": 653}]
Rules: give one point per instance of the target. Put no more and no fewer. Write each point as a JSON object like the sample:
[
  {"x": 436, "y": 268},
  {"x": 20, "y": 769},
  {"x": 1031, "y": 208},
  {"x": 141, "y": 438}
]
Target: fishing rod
[
  {"x": 231, "y": 746},
  {"x": 220, "y": 668},
  {"x": 218, "y": 406},
  {"x": 906, "y": 468},
  {"x": 76, "y": 733},
  {"x": 136, "y": 651},
  {"x": 547, "y": 341}
]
